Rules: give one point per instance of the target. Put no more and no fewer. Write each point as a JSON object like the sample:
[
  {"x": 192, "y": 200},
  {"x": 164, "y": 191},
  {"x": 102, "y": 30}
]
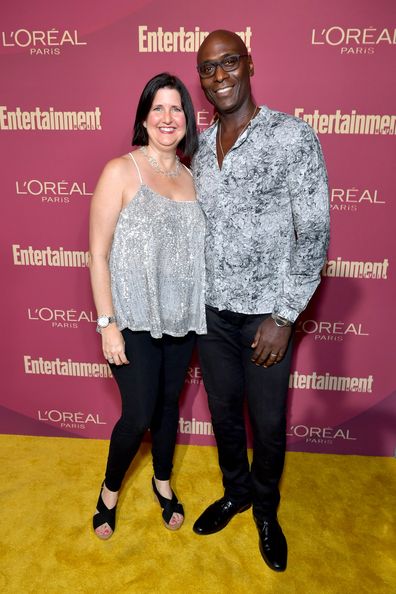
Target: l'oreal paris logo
[
  {"x": 354, "y": 40},
  {"x": 68, "y": 419},
  {"x": 52, "y": 191},
  {"x": 61, "y": 318},
  {"x": 319, "y": 434},
  {"x": 194, "y": 375},
  {"x": 336, "y": 331},
  {"x": 350, "y": 199},
  {"x": 41, "y": 42}
]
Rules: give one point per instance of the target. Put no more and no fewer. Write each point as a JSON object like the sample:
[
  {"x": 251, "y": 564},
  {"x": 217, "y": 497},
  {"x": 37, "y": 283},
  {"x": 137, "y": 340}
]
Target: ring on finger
[{"x": 274, "y": 355}]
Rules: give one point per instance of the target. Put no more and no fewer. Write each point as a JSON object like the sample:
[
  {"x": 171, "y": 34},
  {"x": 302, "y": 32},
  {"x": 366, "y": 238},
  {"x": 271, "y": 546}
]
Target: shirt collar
[{"x": 261, "y": 117}]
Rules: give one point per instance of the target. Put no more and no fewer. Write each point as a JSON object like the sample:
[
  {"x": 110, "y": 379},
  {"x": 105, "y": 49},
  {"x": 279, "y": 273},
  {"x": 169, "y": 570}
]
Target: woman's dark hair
[{"x": 189, "y": 144}]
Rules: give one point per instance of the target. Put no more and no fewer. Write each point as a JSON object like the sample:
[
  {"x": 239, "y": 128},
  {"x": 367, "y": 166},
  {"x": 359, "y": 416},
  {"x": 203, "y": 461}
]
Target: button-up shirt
[{"x": 267, "y": 215}]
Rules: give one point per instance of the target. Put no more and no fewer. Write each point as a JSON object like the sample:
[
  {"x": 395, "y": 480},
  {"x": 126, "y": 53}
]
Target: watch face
[
  {"x": 279, "y": 321},
  {"x": 103, "y": 321}
]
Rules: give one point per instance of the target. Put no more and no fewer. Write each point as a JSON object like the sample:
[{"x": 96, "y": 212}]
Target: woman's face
[{"x": 166, "y": 122}]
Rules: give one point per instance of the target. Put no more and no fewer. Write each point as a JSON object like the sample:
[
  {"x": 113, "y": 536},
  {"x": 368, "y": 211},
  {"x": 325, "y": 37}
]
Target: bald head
[
  {"x": 225, "y": 68},
  {"x": 224, "y": 38}
]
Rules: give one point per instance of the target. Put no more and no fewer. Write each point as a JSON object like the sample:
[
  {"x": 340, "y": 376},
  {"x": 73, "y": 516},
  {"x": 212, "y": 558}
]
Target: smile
[
  {"x": 167, "y": 130},
  {"x": 223, "y": 90}
]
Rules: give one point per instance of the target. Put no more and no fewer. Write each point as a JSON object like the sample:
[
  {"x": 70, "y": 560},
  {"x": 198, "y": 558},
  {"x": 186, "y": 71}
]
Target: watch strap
[{"x": 280, "y": 321}]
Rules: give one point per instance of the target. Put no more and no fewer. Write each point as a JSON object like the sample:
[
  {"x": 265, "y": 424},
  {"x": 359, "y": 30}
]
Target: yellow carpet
[{"x": 337, "y": 513}]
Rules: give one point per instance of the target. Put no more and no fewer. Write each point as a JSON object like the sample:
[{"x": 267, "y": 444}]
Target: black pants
[
  {"x": 150, "y": 387},
  {"x": 228, "y": 374}
]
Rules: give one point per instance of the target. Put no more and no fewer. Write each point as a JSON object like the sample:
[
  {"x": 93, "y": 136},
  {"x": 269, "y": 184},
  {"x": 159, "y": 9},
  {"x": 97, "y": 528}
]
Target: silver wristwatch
[
  {"x": 281, "y": 322},
  {"x": 103, "y": 322}
]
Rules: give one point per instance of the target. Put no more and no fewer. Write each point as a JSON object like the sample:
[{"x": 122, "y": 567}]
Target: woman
[{"x": 147, "y": 276}]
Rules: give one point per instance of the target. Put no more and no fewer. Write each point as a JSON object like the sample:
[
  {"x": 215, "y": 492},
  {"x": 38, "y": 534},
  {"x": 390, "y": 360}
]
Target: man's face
[{"x": 227, "y": 91}]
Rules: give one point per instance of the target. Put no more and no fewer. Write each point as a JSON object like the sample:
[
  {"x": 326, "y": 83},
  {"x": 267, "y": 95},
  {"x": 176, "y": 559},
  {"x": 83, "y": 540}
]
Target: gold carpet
[{"x": 337, "y": 512}]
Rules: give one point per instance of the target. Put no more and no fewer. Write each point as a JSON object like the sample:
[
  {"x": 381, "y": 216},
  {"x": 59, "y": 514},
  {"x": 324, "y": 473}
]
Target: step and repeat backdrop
[{"x": 72, "y": 73}]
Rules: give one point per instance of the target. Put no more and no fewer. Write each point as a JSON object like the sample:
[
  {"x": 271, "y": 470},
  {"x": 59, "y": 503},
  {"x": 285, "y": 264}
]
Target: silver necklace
[
  {"x": 155, "y": 165},
  {"x": 240, "y": 133}
]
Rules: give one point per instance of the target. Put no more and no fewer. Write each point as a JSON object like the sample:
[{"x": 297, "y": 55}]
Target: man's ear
[{"x": 251, "y": 66}]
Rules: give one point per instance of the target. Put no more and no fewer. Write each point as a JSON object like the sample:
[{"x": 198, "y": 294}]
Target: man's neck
[{"x": 233, "y": 123}]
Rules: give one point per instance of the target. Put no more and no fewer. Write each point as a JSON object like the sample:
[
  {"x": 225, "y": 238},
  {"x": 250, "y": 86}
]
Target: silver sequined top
[
  {"x": 157, "y": 265},
  {"x": 267, "y": 216}
]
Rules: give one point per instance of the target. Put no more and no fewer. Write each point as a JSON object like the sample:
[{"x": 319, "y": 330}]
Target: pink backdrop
[{"x": 89, "y": 61}]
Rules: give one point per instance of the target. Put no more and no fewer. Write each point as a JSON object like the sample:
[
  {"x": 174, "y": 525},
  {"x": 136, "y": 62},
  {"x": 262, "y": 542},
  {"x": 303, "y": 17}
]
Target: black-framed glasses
[{"x": 228, "y": 64}]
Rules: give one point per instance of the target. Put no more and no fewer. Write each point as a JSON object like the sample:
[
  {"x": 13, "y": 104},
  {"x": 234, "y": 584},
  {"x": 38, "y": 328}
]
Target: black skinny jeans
[
  {"x": 229, "y": 374},
  {"x": 150, "y": 387}
]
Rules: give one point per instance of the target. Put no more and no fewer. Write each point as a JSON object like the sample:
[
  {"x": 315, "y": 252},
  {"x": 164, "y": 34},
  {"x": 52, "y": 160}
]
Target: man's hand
[{"x": 270, "y": 343}]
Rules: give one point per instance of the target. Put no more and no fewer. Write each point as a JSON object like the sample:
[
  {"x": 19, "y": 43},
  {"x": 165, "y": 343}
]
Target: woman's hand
[{"x": 113, "y": 345}]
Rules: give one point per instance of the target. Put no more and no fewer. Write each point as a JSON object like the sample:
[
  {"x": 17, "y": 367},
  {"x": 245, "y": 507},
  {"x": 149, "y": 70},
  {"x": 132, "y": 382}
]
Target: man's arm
[
  {"x": 307, "y": 181},
  {"x": 309, "y": 197}
]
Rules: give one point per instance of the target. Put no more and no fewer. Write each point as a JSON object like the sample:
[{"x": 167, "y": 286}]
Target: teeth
[
  {"x": 222, "y": 91},
  {"x": 167, "y": 129}
]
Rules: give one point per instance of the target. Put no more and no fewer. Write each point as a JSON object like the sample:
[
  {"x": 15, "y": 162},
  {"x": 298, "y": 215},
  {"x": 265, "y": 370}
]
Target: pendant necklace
[
  {"x": 155, "y": 165},
  {"x": 240, "y": 133}
]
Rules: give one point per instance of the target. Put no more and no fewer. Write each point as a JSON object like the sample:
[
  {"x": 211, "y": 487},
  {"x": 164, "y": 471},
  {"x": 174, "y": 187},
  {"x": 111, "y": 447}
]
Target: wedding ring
[
  {"x": 110, "y": 360},
  {"x": 273, "y": 355}
]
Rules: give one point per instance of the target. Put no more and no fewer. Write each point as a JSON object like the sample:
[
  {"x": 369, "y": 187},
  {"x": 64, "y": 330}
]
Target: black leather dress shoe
[
  {"x": 272, "y": 544},
  {"x": 217, "y": 516}
]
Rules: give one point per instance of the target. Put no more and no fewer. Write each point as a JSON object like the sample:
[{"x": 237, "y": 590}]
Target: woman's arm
[{"x": 105, "y": 209}]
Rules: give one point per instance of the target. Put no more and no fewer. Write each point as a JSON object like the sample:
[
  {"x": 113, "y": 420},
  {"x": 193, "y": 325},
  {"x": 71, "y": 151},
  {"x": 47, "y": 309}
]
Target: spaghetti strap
[
  {"x": 189, "y": 170},
  {"x": 137, "y": 167}
]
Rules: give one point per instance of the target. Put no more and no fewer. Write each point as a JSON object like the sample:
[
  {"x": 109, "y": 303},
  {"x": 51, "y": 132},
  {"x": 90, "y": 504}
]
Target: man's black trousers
[{"x": 230, "y": 376}]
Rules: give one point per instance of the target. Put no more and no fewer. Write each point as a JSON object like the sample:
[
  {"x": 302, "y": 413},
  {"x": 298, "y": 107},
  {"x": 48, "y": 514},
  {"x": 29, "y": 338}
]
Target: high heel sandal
[
  {"x": 104, "y": 515},
  {"x": 169, "y": 507}
]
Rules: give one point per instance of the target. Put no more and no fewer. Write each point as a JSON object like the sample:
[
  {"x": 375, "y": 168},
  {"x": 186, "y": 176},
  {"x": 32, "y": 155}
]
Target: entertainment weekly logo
[
  {"x": 319, "y": 435},
  {"x": 49, "y": 119},
  {"x": 194, "y": 427},
  {"x": 349, "y": 123},
  {"x": 69, "y": 419},
  {"x": 354, "y": 199},
  {"x": 331, "y": 383},
  {"x": 354, "y": 40},
  {"x": 65, "y": 367},
  {"x": 330, "y": 331},
  {"x": 184, "y": 41},
  {"x": 361, "y": 269},
  {"x": 51, "y": 192},
  {"x": 42, "y": 42},
  {"x": 69, "y": 319},
  {"x": 51, "y": 257}
]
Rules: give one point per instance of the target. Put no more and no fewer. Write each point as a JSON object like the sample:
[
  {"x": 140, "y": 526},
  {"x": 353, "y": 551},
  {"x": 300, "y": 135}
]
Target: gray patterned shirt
[{"x": 267, "y": 214}]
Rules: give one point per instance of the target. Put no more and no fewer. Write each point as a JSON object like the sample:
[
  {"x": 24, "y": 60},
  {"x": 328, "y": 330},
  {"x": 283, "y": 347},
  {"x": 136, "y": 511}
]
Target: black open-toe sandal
[
  {"x": 169, "y": 507},
  {"x": 104, "y": 516}
]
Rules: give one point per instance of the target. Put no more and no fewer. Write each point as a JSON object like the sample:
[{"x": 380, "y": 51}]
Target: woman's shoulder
[
  {"x": 117, "y": 164},
  {"x": 119, "y": 167}
]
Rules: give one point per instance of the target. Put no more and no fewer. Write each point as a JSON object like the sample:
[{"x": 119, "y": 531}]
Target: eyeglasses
[{"x": 229, "y": 63}]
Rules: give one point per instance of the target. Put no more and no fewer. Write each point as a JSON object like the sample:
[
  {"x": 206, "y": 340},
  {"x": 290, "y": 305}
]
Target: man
[{"x": 262, "y": 184}]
